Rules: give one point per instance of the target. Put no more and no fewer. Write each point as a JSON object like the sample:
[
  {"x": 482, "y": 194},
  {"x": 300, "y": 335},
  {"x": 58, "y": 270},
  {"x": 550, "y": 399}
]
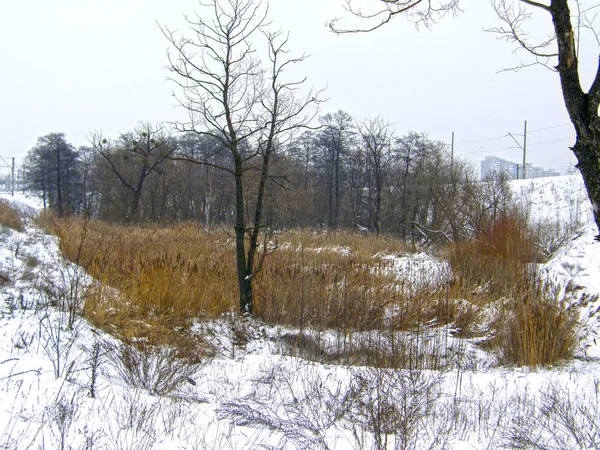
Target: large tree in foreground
[
  {"x": 560, "y": 53},
  {"x": 247, "y": 108}
]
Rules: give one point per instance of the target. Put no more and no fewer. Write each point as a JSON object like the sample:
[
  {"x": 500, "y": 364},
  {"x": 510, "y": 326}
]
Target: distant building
[{"x": 493, "y": 164}]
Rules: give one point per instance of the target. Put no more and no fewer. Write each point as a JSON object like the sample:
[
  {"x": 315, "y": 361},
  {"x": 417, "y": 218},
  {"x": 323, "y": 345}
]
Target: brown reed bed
[{"x": 154, "y": 281}]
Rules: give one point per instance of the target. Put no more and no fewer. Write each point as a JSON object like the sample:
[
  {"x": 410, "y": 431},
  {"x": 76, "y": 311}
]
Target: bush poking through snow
[
  {"x": 560, "y": 419},
  {"x": 397, "y": 407},
  {"x": 539, "y": 330},
  {"x": 158, "y": 370},
  {"x": 61, "y": 416}
]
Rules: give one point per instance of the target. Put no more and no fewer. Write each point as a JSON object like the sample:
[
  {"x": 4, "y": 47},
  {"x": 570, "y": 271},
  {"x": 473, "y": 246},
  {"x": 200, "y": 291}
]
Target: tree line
[{"x": 347, "y": 174}]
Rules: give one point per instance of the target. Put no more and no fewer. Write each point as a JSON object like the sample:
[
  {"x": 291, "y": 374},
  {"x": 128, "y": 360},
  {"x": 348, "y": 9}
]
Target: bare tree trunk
[
  {"x": 244, "y": 278},
  {"x": 59, "y": 199},
  {"x": 377, "y": 218},
  {"x": 330, "y": 176},
  {"x": 588, "y": 157},
  {"x": 582, "y": 107},
  {"x": 336, "y": 211}
]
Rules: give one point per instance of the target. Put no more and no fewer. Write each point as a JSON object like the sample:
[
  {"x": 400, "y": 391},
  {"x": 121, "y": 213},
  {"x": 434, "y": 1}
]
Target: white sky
[{"x": 75, "y": 66}]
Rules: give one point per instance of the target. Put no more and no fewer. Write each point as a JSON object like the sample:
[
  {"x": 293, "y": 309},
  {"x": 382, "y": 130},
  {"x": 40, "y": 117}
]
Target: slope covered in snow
[{"x": 64, "y": 384}]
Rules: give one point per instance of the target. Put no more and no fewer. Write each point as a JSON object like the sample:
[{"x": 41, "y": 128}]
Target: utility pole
[
  {"x": 12, "y": 184},
  {"x": 524, "y": 148},
  {"x": 525, "y": 151},
  {"x": 452, "y": 160}
]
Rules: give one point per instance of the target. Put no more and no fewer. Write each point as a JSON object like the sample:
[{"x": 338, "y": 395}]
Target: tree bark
[
  {"x": 588, "y": 156},
  {"x": 582, "y": 107},
  {"x": 244, "y": 278}
]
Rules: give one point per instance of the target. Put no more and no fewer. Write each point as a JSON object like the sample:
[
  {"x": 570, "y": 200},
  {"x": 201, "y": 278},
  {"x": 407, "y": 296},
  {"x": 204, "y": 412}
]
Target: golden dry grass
[
  {"x": 154, "y": 281},
  {"x": 536, "y": 328},
  {"x": 539, "y": 330},
  {"x": 10, "y": 217},
  {"x": 169, "y": 276}
]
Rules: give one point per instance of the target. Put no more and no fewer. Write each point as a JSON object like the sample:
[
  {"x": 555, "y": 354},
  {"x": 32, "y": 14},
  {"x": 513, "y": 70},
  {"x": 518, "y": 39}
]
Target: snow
[
  {"x": 63, "y": 384},
  {"x": 26, "y": 203}
]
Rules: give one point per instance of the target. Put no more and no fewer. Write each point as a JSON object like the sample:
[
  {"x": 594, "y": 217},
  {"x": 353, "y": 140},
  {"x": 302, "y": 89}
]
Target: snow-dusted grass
[{"x": 66, "y": 384}]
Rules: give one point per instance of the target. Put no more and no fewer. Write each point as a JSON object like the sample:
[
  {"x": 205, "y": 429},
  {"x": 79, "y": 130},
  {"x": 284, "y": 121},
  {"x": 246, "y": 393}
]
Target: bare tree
[
  {"x": 247, "y": 109},
  {"x": 558, "y": 52},
  {"x": 377, "y": 138},
  {"x": 144, "y": 150},
  {"x": 336, "y": 137}
]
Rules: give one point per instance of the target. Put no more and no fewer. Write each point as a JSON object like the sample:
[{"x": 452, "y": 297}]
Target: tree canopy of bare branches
[
  {"x": 381, "y": 12},
  {"x": 559, "y": 51},
  {"x": 245, "y": 105},
  {"x": 144, "y": 150}
]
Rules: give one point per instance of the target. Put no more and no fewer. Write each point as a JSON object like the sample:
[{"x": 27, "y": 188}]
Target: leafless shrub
[
  {"x": 562, "y": 419},
  {"x": 396, "y": 406},
  {"x": 95, "y": 358},
  {"x": 158, "y": 370},
  {"x": 551, "y": 236},
  {"x": 58, "y": 340},
  {"x": 136, "y": 423},
  {"x": 302, "y": 407},
  {"x": 61, "y": 416}
]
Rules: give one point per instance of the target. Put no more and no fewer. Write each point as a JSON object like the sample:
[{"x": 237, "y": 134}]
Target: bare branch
[
  {"x": 419, "y": 12},
  {"x": 538, "y": 5},
  {"x": 515, "y": 18}
]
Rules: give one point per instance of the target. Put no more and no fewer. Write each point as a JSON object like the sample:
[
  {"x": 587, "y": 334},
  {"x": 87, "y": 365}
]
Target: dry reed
[
  {"x": 10, "y": 217},
  {"x": 154, "y": 281}
]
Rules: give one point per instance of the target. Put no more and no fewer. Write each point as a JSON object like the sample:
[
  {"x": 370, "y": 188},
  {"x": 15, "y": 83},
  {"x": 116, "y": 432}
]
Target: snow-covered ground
[{"x": 64, "y": 384}]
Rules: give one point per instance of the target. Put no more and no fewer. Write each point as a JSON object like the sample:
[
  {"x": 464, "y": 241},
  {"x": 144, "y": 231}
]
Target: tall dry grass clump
[
  {"x": 152, "y": 280},
  {"x": 10, "y": 217},
  {"x": 497, "y": 262},
  {"x": 535, "y": 327},
  {"x": 538, "y": 330},
  {"x": 325, "y": 286}
]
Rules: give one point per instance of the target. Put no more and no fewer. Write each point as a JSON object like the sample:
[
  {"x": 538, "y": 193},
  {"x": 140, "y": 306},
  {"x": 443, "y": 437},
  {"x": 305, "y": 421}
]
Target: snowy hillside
[{"x": 64, "y": 384}]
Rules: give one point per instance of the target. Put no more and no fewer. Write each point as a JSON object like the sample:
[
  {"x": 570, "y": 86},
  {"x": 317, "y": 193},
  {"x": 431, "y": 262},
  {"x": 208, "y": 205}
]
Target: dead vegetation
[
  {"x": 153, "y": 282},
  {"x": 10, "y": 217}
]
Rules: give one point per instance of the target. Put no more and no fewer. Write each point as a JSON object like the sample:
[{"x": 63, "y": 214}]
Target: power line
[
  {"x": 481, "y": 140},
  {"x": 474, "y": 141},
  {"x": 516, "y": 147},
  {"x": 496, "y": 150},
  {"x": 555, "y": 140},
  {"x": 550, "y": 128}
]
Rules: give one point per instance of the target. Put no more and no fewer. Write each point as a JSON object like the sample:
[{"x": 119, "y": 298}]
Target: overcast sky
[{"x": 75, "y": 66}]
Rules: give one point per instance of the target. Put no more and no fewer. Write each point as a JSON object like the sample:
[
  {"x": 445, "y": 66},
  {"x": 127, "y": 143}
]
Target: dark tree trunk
[
  {"x": 587, "y": 152},
  {"x": 59, "y": 200},
  {"x": 336, "y": 211},
  {"x": 377, "y": 218},
  {"x": 330, "y": 192},
  {"x": 582, "y": 107},
  {"x": 258, "y": 212},
  {"x": 137, "y": 196},
  {"x": 244, "y": 278}
]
